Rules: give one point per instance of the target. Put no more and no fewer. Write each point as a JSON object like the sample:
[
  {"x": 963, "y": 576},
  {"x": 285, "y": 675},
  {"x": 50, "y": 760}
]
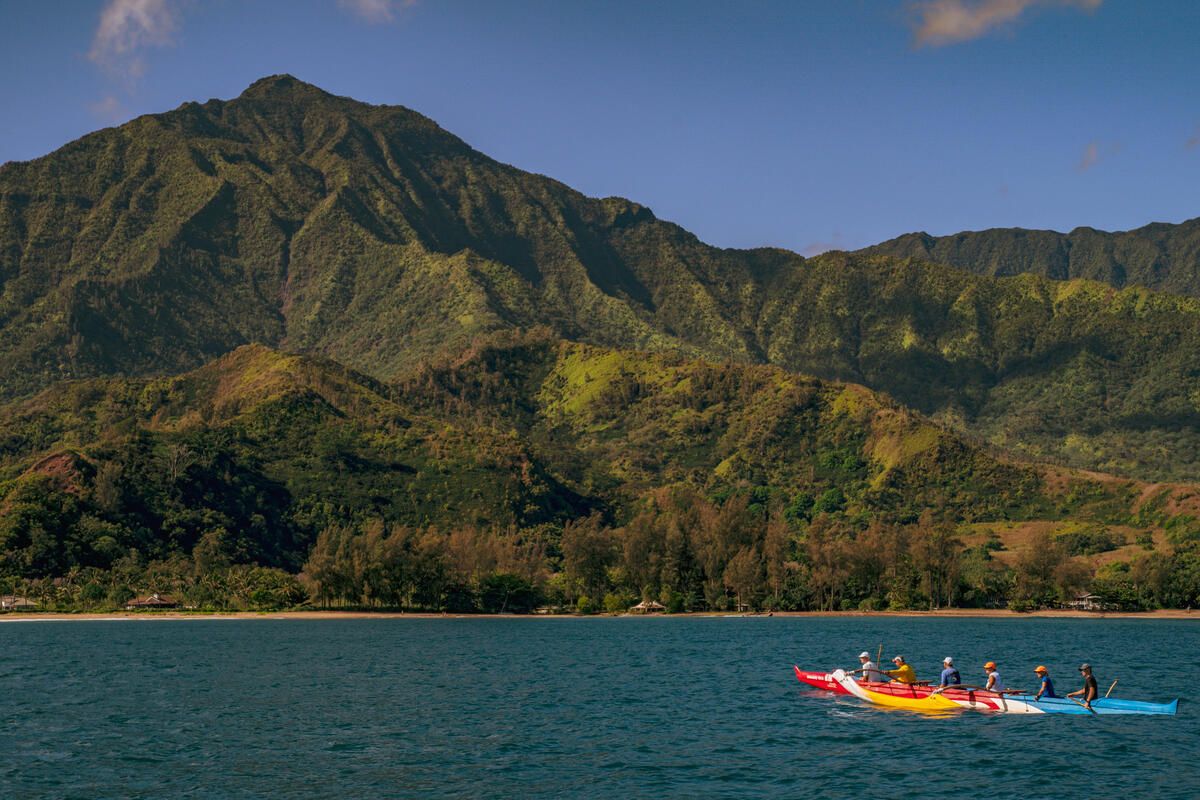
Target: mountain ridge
[
  {"x": 1159, "y": 255},
  {"x": 369, "y": 235}
]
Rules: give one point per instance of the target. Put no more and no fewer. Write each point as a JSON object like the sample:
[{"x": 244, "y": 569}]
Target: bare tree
[{"x": 177, "y": 460}]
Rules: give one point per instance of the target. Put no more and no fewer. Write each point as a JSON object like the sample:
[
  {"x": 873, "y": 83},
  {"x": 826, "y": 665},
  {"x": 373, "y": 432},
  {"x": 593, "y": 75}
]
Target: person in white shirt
[
  {"x": 869, "y": 669},
  {"x": 994, "y": 682}
]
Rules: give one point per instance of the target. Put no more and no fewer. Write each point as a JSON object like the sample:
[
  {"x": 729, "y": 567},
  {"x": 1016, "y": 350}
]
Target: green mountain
[
  {"x": 1158, "y": 256},
  {"x": 259, "y": 451},
  {"x": 316, "y": 223},
  {"x": 366, "y": 234}
]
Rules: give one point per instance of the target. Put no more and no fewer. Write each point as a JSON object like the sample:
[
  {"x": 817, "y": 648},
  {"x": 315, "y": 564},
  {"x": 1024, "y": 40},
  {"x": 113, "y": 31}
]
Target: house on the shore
[
  {"x": 155, "y": 600},
  {"x": 14, "y": 602},
  {"x": 1085, "y": 602},
  {"x": 648, "y": 607}
]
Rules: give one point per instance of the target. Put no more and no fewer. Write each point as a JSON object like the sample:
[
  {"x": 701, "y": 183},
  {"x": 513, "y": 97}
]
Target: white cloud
[
  {"x": 1091, "y": 155},
  {"x": 1095, "y": 152},
  {"x": 376, "y": 12},
  {"x": 127, "y": 28},
  {"x": 836, "y": 242},
  {"x": 942, "y": 22},
  {"x": 108, "y": 109}
]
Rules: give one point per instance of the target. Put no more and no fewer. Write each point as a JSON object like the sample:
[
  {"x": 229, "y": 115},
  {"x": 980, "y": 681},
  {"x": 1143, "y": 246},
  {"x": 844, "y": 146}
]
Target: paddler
[
  {"x": 1090, "y": 691},
  {"x": 869, "y": 669},
  {"x": 903, "y": 673},
  {"x": 950, "y": 676},
  {"x": 994, "y": 682},
  {"x": 1045, "y": 685}
]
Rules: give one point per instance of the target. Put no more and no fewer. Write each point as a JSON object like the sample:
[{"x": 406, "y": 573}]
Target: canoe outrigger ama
[{"x": 922, "y": 697}]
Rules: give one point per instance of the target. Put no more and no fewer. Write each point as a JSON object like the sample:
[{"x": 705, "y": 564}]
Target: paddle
[
  {"x": 964, "y": 686},
  {"x": 971, "y": 688},
  {"x": 878, "y": 656},
  {"x": 1073, "y": 700},
  {"x": 852, "y": 671},
  {"x": 1114, "y": 684}
]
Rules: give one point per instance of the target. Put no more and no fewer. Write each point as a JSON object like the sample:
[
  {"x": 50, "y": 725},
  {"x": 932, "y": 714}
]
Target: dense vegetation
[
  {"x": 1158, "y": 256},
  {"x": 367, "y": 234},
  {"x": 734, "y": 553},
  {"x": 521, "y": 471}
]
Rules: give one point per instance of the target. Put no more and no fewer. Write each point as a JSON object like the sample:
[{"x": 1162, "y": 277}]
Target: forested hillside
[
  {"x": 1074, "y": 371},
  {"x": 515, "y": 443}
]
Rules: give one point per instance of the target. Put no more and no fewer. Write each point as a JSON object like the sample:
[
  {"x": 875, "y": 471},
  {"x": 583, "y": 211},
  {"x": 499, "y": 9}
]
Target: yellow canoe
[{"x": 933, "y": 702}]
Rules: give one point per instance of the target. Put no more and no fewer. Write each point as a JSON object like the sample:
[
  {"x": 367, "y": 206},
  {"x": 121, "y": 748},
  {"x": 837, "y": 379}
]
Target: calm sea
[{"x": 571, "y": 707}]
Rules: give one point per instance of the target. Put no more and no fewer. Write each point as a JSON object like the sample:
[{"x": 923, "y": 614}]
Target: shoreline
[{"x": 966, "y": 613}]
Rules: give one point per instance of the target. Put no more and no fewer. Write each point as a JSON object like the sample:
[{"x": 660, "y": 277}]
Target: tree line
[
  {"x": 693, "y": 553},
  {"x": 738, "y": 550}
]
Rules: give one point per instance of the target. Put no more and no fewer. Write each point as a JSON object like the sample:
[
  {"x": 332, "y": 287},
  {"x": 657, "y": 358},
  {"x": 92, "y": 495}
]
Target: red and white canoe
[{"x": 967, "y": 698}]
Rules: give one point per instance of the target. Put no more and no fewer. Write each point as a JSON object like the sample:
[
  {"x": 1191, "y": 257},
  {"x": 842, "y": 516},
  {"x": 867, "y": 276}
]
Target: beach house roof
[
  {"x": 155, "y": 600},
  {"x": 648, "y": 607}
]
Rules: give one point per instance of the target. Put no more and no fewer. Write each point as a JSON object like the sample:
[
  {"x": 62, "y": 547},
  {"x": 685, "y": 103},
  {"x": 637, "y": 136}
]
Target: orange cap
[
  {"x": 990, "y": 665},
  {"x": 1040, "y": 668}
]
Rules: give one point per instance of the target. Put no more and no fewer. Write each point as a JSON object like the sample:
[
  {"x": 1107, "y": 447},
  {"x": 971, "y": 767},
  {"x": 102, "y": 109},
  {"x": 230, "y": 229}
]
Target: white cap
[
  {"x": 864, "y": 654},
  {"x": 898, "y": 658},
  {"x": 948, "y": 660}
]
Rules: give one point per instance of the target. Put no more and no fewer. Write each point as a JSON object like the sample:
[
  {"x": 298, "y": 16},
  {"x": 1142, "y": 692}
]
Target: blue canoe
[{"x": 1105, "y": 705}]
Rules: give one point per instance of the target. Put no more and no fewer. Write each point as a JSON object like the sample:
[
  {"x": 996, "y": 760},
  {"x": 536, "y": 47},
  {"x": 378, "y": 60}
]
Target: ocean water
[{"x": 620, "y": 708}]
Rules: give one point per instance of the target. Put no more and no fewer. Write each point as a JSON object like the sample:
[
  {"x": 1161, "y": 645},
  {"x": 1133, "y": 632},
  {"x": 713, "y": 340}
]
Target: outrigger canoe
[{"x": 913, "y": 697}]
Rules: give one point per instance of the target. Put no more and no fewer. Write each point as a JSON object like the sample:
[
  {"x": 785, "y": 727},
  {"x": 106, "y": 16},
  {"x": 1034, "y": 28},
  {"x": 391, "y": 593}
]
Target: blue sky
[{"x": 801, "y": 124}]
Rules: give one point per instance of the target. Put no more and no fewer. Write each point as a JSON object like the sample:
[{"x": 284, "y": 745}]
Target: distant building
[
  {"x": 1085, "y": 602},
  {"x": 14, "y": 602},
  {"x": 153, "y": 601},
  {"x": 648, "y": 607}
]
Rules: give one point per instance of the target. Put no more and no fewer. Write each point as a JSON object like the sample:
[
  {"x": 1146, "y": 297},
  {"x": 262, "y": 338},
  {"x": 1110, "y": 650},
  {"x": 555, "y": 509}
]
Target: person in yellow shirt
[{"x": 903, "y": 673}]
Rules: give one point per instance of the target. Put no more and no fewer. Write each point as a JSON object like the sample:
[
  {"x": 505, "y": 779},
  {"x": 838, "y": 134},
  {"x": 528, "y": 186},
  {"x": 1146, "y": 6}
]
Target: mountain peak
[{"x": 281, "y": 86}]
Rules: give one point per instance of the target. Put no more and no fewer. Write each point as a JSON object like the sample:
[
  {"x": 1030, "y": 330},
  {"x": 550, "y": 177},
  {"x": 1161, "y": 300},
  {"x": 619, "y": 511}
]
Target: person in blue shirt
[
  {"x": 950, "y": 676},
  {"x": 1046, "y": 687}
]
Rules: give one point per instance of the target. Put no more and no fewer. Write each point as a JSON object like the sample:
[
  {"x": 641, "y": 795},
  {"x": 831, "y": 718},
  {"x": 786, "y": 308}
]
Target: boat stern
[{"x": 818, "y": 680}]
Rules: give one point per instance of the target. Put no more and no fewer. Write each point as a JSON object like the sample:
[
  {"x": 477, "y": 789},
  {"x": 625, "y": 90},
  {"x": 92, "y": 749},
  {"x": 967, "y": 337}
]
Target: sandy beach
[{"x": 1162, "y": 614}]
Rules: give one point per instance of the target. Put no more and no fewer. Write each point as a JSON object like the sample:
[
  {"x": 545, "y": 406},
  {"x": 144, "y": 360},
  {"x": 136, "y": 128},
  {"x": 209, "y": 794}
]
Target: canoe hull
[
  {"x": 934, "y": 703},
  {"x": 1107, "y": 705}
]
